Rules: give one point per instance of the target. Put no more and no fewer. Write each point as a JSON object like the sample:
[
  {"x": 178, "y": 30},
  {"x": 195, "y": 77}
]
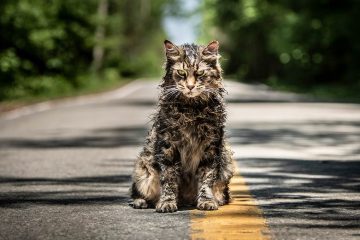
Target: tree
[
  {"x": 48, "y": 46},
  {"x": 98, "y": 50},
  {"x": 300, "y": 44}
]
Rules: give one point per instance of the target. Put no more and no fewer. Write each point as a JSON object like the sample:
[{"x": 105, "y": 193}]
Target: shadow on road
[
  {"x": 98, "y": 138},
  {"x": 28, "y": 199},
  {"x": 322, "y": 192},
  {"x": 88, "y": 190},
  {"x": 324, "y": 134},
  {"x": 300, "y": 134},
  {"x": 290, "y": 188},
  {"x": 93, "y": 191},
  {"x": 115, "y": 179},
  {"x": 312, "y": 189}
]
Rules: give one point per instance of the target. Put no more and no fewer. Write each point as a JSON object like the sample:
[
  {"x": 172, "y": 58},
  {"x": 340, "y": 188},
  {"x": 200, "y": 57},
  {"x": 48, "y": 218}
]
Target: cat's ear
[
  {"x": 211, "y": 49},
  {"x": 171, "y": 50}
]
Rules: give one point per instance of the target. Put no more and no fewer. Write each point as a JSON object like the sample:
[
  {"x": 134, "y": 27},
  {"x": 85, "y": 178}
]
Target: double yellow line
[{"x": 241, "y": 219}]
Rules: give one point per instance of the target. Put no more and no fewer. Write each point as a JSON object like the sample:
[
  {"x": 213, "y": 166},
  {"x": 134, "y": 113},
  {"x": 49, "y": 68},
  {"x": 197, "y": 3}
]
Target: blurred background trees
[
  {"x": 50, "y": 47},
  {"x": 308, "y": 46},
  {"x": 60, "y": 47}
]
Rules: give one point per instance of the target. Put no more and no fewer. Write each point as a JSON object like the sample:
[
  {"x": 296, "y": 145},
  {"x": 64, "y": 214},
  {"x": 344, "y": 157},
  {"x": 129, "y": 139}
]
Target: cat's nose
[{"x": 190, "y": 86}]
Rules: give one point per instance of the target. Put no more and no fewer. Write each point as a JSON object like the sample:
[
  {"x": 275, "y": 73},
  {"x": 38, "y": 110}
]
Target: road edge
[{"x": 118, "y": 93}]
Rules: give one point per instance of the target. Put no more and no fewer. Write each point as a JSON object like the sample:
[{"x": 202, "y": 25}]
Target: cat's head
[{"x": 192, "y": 70}]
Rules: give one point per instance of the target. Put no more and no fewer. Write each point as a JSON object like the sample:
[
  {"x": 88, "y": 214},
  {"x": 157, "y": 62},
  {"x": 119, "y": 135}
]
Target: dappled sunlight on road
[{"x": 300, "y": 161}]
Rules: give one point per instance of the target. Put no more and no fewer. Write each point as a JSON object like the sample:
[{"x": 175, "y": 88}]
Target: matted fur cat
[{"x": 185, "y": 159}]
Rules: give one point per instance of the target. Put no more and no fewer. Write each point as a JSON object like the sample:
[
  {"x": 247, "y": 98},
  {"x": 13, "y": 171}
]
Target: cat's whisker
[
  {"x": 171, "y": 85},
  {"x": 170, "y": 93}
]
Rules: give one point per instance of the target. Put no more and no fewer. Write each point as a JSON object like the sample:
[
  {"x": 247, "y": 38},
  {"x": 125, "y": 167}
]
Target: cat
[{"x": 185, "y": 159}]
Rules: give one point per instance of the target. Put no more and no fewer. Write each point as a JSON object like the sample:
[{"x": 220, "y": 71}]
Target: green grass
[
  {"x": 44, "y": 88},
  {"x": 327, "y": 93},
  {"x": 336, "y": 93}
]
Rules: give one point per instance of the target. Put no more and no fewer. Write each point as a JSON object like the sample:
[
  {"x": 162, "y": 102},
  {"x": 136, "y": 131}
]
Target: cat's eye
[
  {"x": 200, "y": 73},
  {"x": 181, "y": 72}
]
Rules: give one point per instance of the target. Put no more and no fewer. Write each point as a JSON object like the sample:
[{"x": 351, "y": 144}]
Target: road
[{"x": 65, "y": 168}]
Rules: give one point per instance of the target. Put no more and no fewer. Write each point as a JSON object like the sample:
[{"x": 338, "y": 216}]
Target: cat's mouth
[{"x": 191, "y": 94}]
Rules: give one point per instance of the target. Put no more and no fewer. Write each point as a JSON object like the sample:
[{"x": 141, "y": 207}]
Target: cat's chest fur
[
  {"x": 194, "y": 129},
  {"x": 191, "y": 148}
]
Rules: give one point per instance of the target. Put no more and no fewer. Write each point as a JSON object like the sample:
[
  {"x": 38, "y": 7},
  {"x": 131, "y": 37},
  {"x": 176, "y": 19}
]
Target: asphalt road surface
[{"x": 65, "y": 167}]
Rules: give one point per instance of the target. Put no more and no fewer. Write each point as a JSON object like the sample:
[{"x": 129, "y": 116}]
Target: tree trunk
[{"x": 98, "y": 50}]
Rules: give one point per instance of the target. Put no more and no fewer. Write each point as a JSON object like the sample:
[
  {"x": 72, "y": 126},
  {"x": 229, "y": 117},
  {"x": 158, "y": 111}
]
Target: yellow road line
[{"x": 241, "y": 219}]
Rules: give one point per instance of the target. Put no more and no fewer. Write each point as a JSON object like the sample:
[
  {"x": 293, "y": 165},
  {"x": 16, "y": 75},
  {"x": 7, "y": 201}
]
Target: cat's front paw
[
  {"x": 140, "y": 203},
  {"x": 208, "y": 204},
  {"x": 166, "y": 206}
]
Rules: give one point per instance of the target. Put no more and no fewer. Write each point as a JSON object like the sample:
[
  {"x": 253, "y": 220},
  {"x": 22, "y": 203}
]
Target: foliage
[
  {"x": 300, "y": 44},
  {"x": 47, "y": 45}
]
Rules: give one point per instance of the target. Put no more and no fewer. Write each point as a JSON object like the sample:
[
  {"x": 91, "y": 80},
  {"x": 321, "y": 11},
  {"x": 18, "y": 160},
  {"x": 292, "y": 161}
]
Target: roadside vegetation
[
  {"x": 57, "y": 48},
  {"x": 303, "y": 46}
]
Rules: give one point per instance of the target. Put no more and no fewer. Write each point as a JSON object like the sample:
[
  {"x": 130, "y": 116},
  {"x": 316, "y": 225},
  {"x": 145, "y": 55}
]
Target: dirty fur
[{"x": 185, "y": 159}]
